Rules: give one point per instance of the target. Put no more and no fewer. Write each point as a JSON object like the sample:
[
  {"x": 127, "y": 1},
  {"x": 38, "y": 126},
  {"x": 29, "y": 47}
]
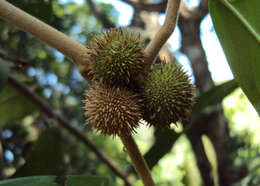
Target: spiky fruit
[
  {"x": 112, "y": 111},
  {"x": 116, "y": 56},
  {"x": 168, "y": 95}
]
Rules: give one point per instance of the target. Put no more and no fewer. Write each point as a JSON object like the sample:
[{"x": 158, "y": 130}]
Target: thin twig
[
  {"x": 45, "y": 108},
  {"x": 19, "y": 64},
  {"x": 163, "y": 34},
  {"x": 101, "y": 16},
  {"x": 13, "y": 60},
  {"x": 72, "y": 49},
  {"x": 150, "y": 7},
  {"x": 137, "y": 159}
]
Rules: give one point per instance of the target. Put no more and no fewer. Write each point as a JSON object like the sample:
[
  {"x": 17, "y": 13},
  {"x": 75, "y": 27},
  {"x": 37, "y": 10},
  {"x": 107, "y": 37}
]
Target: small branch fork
[
  {"x": 78, "y": 53},
  {"x": 163, "y": 34}
]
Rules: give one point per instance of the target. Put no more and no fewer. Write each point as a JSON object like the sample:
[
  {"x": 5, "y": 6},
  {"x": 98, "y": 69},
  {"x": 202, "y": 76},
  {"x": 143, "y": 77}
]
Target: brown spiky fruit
[
  {"x": 112, "y": 111},
  {"x": 168, "y": 95},
  {"x": 116, "y": 56}
]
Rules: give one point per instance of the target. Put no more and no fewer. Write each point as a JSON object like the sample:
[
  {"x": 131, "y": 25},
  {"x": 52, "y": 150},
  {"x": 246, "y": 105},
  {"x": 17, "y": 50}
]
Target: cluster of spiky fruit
[
  {"x": 112, "y": 106},
  {"x": 168, "y": 95},
  {"x": 112, "y": 110},
  {"x": 116, "y": 56}
]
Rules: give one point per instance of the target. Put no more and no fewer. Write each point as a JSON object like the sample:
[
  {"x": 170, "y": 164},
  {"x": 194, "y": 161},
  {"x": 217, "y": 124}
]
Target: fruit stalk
[{"x": 139, "y": 163}]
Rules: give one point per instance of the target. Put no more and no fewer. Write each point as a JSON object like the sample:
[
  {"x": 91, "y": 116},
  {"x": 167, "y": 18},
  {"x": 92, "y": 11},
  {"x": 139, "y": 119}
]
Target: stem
[
  {"x": 72, "y": 49},
  {"x": 137, "y": 159},
  {"x": 163, "y": 34},
  {"x": 45, "y": 108}
]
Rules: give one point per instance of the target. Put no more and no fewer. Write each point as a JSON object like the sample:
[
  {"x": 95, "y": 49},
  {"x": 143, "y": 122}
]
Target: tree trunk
[{"x": 213, "y": 124}]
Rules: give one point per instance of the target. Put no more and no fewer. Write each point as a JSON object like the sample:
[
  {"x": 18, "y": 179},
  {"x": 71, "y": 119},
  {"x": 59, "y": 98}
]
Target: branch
[
  {"x": 45, "y": 108},
  {"x": 101, "y": 16},
  {"x": 163, "y": 34},
  {"x": 150, "y": 7},
  {"x": 19, "y": 64},
  {"x": 196, "y": 13},
  {"x": 72, "y": 49},
  {"x": 200, "y": 11}
]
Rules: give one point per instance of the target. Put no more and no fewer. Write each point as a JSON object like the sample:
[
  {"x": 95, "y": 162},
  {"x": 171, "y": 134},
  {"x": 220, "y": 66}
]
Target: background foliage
[{"x": 32, "y": 144}]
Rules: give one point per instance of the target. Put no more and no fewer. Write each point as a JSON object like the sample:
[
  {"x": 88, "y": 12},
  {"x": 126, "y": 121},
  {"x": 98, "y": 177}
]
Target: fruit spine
[
  {"x": 168, "y": 95},
  {"x": 112, "y": 111},
  {"x": 116, "y": 56}
]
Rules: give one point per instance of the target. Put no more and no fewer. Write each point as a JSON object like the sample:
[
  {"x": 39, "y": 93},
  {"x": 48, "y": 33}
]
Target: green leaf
[
  {"x": 4, "y": 70},
  {"x": 30, "y": 181},
  {"x": 75, "y": 180},
  {"x": 13, "y": 106},
  {"x": 46, "y": 157},
  {"x": 215, "y": 95},
  {"x": 42, "y": 9},
  {"x": 237, "y": 24},
  {"x": 87, "y": 180},
  {"x": 164, "y": 140},
  {"x": 247, "y": 13}
]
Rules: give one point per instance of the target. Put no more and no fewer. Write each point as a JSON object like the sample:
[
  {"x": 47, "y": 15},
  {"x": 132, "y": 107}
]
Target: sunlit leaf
[
  {"x": 212, "y": 156},
  {"x": 237, "y": 23}
]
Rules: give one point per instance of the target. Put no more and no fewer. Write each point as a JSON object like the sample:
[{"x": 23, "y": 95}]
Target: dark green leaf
[
  {"x": 13, "y": 106},
  {"x": 237, "y": 24},
  {"x": 30, "y": 181},
  {"x": 164, "y": 140},
  {"x": 46, "y": 157},
  {"x": 4, "y": 70},
  {"x": 42, "y": 9},
  {"x": 215, "y": 95},
  {"x": 87, "y": 180},
  {"x": 76, "y": 180}
]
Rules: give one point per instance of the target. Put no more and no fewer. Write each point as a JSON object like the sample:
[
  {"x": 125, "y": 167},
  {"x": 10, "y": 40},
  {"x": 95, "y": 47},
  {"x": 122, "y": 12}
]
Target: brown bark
[{"x": 213, "y": 124}]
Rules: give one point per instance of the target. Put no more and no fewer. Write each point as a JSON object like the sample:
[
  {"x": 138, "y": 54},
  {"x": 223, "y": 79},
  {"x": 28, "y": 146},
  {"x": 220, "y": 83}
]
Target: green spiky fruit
[
  {"x": 168, "y": 95},
  {"x": 116, "y": 56},
  {"x": 112, "y": 111}
]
